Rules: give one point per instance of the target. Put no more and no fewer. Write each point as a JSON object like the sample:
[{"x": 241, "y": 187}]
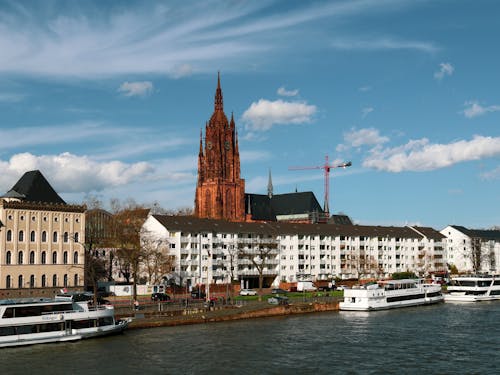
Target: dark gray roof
[
  {"x": 485, "y": 234},
  {"x": 263, "y": 208},
  {"x": 340, "y": 220},
  {"x": 191, "y": 224},
  {"x": 430, "y": 233},
  {"x": 33, "y": 187}
]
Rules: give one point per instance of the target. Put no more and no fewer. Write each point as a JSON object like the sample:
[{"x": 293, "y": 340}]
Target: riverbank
[{"x": 150, "y": 319}]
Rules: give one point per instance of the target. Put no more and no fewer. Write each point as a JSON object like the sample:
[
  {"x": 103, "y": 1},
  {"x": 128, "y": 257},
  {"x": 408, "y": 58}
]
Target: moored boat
[
  {"x": 42, "y": 320},
  {"x": 473, "y": 288},
  {"x": 390, "y": 294}
]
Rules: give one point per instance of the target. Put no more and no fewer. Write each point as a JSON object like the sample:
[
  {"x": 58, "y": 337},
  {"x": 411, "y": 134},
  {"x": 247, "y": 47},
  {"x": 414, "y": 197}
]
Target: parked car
[
  {"x": 278, "y": 300},
  {"x": 160, "y": 297},
  {"x": 248, "y": 292},
  {"x": 278, "y": 291}
]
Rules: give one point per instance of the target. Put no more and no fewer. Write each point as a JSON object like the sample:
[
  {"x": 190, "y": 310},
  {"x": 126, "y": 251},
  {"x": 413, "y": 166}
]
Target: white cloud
[
  {"x": 367, "y": 110},
  {"x": 382, "y": 43},
  {"x": 182, "y": 70},
  {"x": 136, "y": 88},
  {"x": 494, "y": 174},
  {"x": 362, "y": 137},
  {"x": 284, "y": 92},
  {"x": 69, "y": 173},
  {"x": 445, "y": 69},
  {"x": 421, "y": 155},
  {"x": 475, "y": 109},
  {"x": 264, "y": 114}
]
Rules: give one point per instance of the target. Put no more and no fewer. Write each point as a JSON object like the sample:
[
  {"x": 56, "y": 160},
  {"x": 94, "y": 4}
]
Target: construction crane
[{"x": 326, "y": 167}]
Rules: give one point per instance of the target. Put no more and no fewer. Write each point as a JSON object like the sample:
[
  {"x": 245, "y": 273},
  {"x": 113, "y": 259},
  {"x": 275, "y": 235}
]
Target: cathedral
[{"x": 220, "y": 191}]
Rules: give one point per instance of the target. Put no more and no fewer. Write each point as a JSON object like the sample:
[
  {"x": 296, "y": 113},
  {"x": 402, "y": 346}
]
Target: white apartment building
[
  {"x": 219, "y": 251},
  {"x": 463, "y": 246}
]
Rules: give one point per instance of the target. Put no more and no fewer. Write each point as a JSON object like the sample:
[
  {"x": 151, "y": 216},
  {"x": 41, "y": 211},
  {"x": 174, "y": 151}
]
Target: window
[
  {"x": 44, "y": 257},
  {"x": 54, "y": 237},
  {"x": 20, "y": 281},
  {"x": 44, "y": 236},
  {"x": 65, "y": 280},
  {"x": 77, "y": 237},
  {"x": 65, "y": 258},
  {"x": 9, "y": 235},
  {"x": 21, "y": 236},
  {"x": 44, "y": 281},
  {"x": 54, "y": 280},
  {"x": 32, "y": 281},
  {"x": 54, "y": 257},
  {"x": 8, "y": 282},
  {"x": 75, "y": 257},
  {"x": 76, "y": 280},
  {"x": 32, "y": 257},
  {"x": 20, "y": 257},
  {"x": 8, "y": 257},
  {"x": 65, "y": 237}
]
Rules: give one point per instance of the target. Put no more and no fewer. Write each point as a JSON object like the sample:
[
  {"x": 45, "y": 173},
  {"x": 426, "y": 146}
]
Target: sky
[{"x": 107, "y": 99}]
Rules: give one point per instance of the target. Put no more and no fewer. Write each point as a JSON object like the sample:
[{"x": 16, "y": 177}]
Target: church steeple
[
  {"x": 220, "y": 192},
  {"x": 219, "y": 105}
]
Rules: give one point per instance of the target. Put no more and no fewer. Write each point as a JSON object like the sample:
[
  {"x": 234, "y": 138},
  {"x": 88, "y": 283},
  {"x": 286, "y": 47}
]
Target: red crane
[{"x": 326, "y": 167}]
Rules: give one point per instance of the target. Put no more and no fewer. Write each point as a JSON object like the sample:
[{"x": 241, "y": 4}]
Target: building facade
[
  {"x": 220, "y": 251},
  {"x": 220, "y": 190},
  {"x": 41, "y": 238},
  {"x": 472, "y": 250}
]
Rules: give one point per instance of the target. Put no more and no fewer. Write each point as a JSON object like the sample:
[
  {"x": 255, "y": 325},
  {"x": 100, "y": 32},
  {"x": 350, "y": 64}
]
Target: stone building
[
  {"x": 41, "y": 239},
  {"x": 220, "y": 191}
]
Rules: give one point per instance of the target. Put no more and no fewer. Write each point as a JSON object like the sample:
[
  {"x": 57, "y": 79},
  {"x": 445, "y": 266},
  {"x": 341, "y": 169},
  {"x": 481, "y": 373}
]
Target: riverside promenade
[{"x": 178, "y": 313}]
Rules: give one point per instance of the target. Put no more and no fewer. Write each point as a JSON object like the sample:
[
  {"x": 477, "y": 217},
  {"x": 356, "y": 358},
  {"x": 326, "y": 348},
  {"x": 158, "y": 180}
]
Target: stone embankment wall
[{"x": 226, "y": 313}]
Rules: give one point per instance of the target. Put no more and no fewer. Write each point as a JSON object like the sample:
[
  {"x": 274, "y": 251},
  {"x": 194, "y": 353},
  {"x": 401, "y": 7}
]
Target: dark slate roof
[
  {"x": 33, "y": 187},
  {"x": 340, "y": 220},
  {"x": 430, "y": 233},
  {"x": 263, "y": 208},
  {"x": 191, "y": 224},
  {"x": 485, "y": 234}
]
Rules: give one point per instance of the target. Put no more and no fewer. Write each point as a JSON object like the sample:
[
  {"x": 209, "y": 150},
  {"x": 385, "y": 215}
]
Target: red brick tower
[{"x": 220, "y": 192}]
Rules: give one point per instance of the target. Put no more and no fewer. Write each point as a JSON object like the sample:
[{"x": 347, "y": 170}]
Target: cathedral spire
[
  {"x": 270, "y": 185},
  {"x": 218, "y": 95}
]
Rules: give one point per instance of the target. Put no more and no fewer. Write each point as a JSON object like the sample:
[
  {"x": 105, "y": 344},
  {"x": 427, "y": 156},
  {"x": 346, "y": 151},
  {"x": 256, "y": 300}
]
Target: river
[{"x": 438, "y": 339}]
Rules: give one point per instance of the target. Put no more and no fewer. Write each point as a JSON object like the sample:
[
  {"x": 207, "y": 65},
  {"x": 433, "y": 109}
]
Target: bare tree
[
  {"x": 156, "y": 262},
  {"x": 476, "y": 254}
]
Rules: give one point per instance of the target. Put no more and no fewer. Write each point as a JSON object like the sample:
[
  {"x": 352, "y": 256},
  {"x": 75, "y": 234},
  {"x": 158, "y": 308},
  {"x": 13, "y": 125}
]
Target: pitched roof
[
  {"x": 430, "y": 233},
  {"x": 261, "y": 207},
  {"x": 33, "y": 187},
  {"x": 192, "y": 224},
  {"x": 486, "y": 234}
]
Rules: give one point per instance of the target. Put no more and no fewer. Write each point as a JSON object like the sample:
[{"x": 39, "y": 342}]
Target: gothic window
[
  {"x": 54, "y": 237},
  {"x": 77, "y": 237},
  {"x": 65, "y": 280},
  {"x": 54, "y": 280},
  {"x": 32, "y": 281},
  {"x": 21, "y": 236},
  {"x": 76, "y": 280},
  {"x": 65, "y": 257},
  {"x": 65, "y": 237},
  {"x": 20, "y": 281},
  {"x": 54, "y": 257},
  {"x": 75, "y": 257},
  {"x": 44, "y": 281}
]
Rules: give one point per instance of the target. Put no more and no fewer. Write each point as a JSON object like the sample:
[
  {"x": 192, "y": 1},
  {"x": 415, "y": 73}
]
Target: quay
[{"x": 173, "y": 314}]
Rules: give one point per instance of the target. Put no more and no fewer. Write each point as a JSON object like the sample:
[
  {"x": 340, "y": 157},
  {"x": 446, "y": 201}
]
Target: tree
[
  {"x": 476, "y": 254},
  {"x": 258, "y": 253},
  {"x": 156, "y": 261}
]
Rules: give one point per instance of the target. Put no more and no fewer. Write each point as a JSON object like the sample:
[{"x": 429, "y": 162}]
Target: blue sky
[{"x": 108, "y": 99}]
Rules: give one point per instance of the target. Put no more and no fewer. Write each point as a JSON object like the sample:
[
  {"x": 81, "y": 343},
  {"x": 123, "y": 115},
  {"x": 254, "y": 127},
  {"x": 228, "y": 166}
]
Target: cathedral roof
[{"x": 33, "y": 187}]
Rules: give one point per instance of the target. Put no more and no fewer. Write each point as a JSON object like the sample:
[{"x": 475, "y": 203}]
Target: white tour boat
[
  {"x": 473, "y": 288},
  {"x": 390, "y": 294},
  {"x": 66, "y": 318}
]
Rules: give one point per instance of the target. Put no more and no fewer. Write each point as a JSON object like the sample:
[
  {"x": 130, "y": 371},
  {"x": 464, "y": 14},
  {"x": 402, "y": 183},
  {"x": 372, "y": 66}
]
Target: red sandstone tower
[{"x": 220, "y": 192}]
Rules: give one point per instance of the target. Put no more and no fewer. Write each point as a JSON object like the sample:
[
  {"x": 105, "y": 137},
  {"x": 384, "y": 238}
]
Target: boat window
[
  {"x": 484, "y": 283},
  {"x": 7, "y": 331}
]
